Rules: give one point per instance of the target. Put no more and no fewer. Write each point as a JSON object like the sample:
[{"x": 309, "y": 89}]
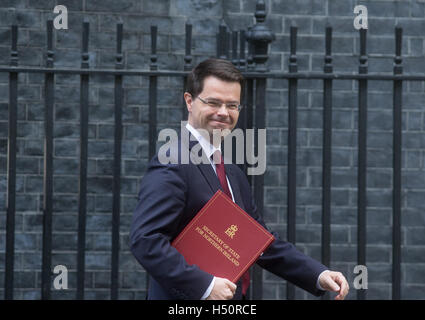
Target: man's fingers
[
  {"x": 231, "y": 286},
  {"x": 339, "y": 278},
  {"x": 223, "y": 289},
  {"x": 330, "y": 283},
  {"x": 334, "y": 281},
  {"x": 344, "y": 287},
  {"x": 229, "y": 294},
  {"x": 333, "y": 286}
]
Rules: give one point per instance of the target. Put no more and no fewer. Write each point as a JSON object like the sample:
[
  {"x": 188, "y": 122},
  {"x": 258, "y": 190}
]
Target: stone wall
[{"x": 170, "y": 16}]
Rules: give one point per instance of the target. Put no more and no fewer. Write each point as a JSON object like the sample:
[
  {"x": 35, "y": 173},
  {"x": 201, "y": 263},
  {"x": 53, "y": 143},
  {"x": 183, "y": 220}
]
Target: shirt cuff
[
  {"x": 318, "y": 286},
  {"x": 209, "y": 289}
]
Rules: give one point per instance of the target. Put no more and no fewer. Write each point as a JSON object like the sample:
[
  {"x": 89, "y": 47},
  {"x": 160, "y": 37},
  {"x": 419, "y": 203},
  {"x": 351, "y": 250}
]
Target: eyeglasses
[{"x": 216, "y": 104}]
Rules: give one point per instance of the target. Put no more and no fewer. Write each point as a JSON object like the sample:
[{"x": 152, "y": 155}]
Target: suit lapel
[
  {"x": 209, "y": 174},
  {"x": 205, "y": 167}
]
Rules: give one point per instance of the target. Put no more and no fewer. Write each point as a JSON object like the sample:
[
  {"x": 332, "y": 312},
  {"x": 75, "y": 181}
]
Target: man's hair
[{"x": 219, "y": 68}]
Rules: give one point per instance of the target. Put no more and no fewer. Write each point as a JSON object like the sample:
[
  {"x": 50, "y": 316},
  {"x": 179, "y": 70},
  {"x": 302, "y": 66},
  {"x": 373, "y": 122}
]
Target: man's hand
[
  {"x": 334, "y": 281},
  {"x": 223, "y": 289}
]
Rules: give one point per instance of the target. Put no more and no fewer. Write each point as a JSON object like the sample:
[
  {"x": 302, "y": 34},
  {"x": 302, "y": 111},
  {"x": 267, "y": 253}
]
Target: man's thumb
[{"x": 334, "y": 286}]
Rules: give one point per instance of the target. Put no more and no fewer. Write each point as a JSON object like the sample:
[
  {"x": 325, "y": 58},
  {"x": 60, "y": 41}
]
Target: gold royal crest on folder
[{"x": 231, "y": 231}]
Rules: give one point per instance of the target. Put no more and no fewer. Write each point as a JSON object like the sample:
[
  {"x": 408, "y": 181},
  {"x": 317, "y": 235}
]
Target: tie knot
[{"x": 217, "y": 158}]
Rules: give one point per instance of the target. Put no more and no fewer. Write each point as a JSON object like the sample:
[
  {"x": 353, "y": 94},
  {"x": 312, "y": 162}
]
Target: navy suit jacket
[{"x": 170, "y": 196}]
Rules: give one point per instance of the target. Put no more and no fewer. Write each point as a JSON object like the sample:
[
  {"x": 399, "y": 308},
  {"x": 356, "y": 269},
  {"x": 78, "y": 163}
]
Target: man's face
[{"x": 201, "y": 115}]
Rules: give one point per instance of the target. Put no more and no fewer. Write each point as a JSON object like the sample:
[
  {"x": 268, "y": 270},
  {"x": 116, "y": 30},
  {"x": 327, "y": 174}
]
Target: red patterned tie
[{"x": 221, "y": 173}]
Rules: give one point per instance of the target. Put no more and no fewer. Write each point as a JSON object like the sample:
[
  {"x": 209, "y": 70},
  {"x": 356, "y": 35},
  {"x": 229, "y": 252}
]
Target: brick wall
[{"x": 170, "y": 16}]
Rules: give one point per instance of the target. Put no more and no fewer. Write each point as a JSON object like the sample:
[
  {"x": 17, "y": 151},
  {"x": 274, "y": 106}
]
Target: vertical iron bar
[
  {"x": 188, "y": 64},
  {"x": 260, "y": 123},
  {"x": 242, "y": 121},
  {"x": 250, "y": 58},
  {"x": 118, "y": 97},
  {"x": 259, "y": 37},
  {"x": 362, "y": 153},
  {"x": 243, "y": 117},
  {"x": 327, "y": 156},
  {"x": 228, "y": 45},
  {"x": 242, "y": 60},
  {"x": 397, "y": 140},
  {"x": 188, "y": 49},
  {"x": 154, "y": 57},
  {"x": 82, "y": 205},
  {"x": 240, "y": 125},
  {"x": 184, "y": 108},
  {"x": 292, "y": 148},
  {"x": 248, "y": 122},
  {"x": 11, "y": 168},
  {"x": 217, "y": 44},
  {"x": 152, "y": 104},
  {"x": 249, "y": 112},
  {"x": 235, "y": 48},
  {"x": 222, "y": 40},
  {"x": 48, "y": 169},
  {"x": 153, "y": 94}
]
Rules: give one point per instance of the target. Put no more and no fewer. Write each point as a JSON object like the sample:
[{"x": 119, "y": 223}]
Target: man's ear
[{"x": 188, "y": 99}]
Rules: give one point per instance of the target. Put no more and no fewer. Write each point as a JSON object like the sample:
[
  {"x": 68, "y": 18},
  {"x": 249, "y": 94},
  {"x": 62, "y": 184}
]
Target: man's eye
[
  {"x": 214, "y": 103},
  {"x": 232, "y": 106}
]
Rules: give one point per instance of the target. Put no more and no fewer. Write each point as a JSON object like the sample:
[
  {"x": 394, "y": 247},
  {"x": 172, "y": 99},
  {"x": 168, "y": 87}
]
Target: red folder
[{"x": 222, "y": 239}]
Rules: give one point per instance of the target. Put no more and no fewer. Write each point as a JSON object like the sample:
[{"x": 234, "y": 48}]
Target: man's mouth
[{"x": 220, "y": 122}]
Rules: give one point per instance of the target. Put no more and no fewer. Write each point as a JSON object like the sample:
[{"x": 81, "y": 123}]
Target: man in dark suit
[{"x": 173, "y": 191}]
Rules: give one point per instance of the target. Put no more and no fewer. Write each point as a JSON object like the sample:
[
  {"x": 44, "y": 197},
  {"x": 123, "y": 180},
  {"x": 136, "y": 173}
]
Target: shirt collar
[{"x": 207, "y": 147}]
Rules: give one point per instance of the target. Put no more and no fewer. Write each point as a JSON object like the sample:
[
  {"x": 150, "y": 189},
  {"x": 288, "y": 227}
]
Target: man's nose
[{"x": 223, "y": 110}]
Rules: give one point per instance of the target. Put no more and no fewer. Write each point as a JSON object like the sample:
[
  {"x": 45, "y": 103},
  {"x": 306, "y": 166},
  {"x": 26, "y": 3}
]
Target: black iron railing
[{"x": 248, "y": 50}]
